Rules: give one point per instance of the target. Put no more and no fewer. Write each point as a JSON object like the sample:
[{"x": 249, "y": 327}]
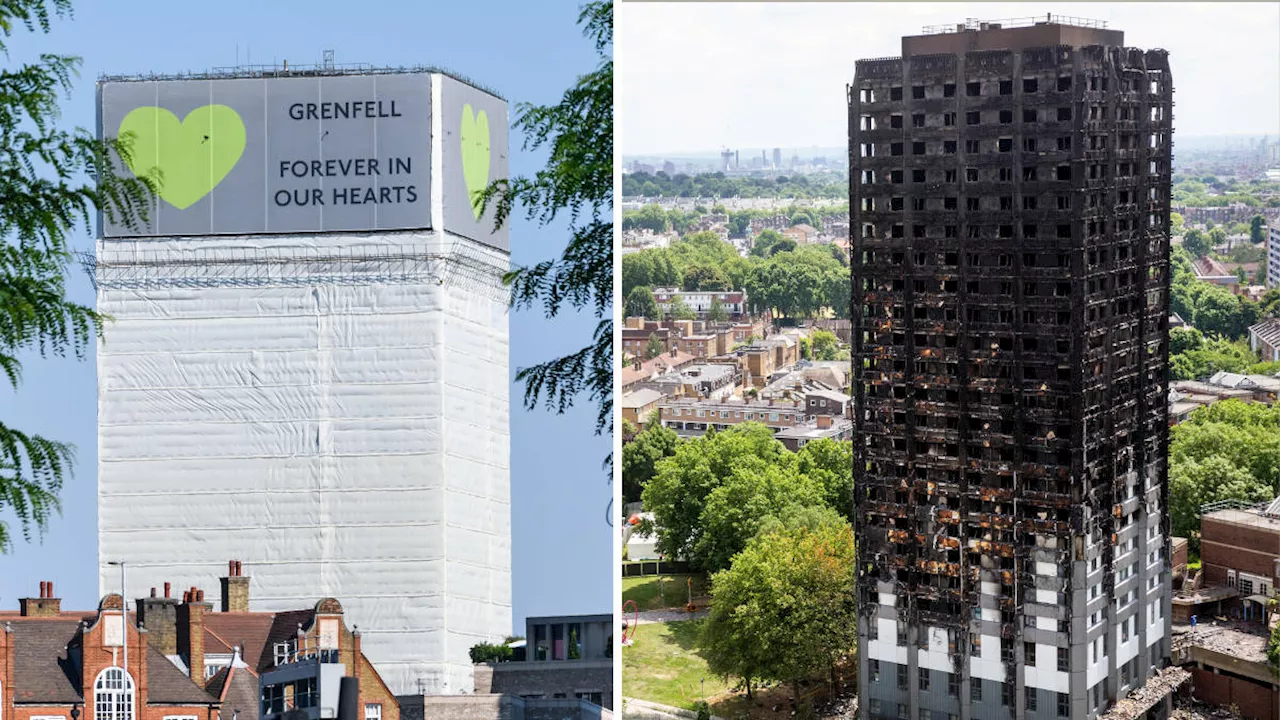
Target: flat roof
[
  {"x": 813, "y": 431},
  {"x": 640, "y": 398},
  {"x": 240, "y": 72},
  {"x": 1012, "y": 35},
  {"x": 1245, "y": 642},
  {"x": 1245, "y": 518}
]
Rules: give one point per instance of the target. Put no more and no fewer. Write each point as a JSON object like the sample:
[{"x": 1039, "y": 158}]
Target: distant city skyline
[
  {"x": 1186, "y": 142},
  {"x": 744, "y": 73}
]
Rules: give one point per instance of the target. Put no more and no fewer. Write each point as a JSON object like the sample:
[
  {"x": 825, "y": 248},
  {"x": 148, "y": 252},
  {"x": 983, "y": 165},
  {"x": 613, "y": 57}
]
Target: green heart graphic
[
  {"x": 193, "y": 154},
  {"x": 474, "y": 136}
]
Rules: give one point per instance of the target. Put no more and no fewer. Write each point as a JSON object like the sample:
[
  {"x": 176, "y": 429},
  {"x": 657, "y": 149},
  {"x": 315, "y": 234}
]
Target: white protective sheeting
[{"x": 341, "y": 428}]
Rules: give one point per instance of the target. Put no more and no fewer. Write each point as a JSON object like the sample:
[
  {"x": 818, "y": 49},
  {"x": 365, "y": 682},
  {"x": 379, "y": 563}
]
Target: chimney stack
[
  {"x": 159, "y": 615},
  {"x": 824, "y": 421},
  {"x": 235, "y": 589},
  {"x": 190, "y": 631},
  {"x": 44, "y": 606}
]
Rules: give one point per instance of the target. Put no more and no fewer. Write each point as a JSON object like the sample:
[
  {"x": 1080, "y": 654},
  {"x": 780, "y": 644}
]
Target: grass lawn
[
  {"x": 664, "y": 667},
  {"x": 649, "y": 596}
]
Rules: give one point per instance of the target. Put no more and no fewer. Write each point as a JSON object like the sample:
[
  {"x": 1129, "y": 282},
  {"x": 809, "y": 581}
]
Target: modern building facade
[
  {"x": 308, "y": 363},
  {"x": 1010, "y": 237}
]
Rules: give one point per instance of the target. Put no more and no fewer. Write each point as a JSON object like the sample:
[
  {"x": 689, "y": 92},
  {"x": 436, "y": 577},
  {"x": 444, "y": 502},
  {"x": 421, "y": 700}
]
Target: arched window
[{"x": 113, "y": 695}]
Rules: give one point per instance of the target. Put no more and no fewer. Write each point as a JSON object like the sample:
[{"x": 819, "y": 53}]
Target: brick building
[
  {"x": 691, "y": 417},
  {"x": 185, "y": 660},
  {"x": 1009, "y": 191},
  {"x": 1240, "y": 548},
  {"x": 70, "y": 665}
]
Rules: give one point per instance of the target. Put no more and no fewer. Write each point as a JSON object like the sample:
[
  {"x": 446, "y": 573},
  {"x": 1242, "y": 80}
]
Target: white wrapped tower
[{"x": 306, "y": 367}]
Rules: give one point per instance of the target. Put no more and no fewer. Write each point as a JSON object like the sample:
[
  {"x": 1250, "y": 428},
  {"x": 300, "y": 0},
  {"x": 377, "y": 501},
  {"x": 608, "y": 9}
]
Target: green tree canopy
[
  {"x": 1196, "y": 243},
  {"x": 577, "y": 182},
  {"x": 1183, "y": 339},
  {"x": 733, "y": 511},
  {"x": 677, "y": 493},
  {"x": 705, "y": 277},
  {"x": 717, "y": 313},
  {"x": 640, "y": 303},
  {"x": 1257, "y": 229},
  {"x": 649, "y": 217},
  {"x": 766, "y": 241},
  {"x": 830, "y": 463},
  {"x": 653, "y": 347},
  {"x": 41, "y": 201},
  {"x": 826, "y": 346},
  {"x": 1224, "y": 451},
  {"x": 1211, "y": 356},
  {"x": 640, "y": 457},
  {"x": 783, "y": 612},
  {"x": 680, "y": 310}
]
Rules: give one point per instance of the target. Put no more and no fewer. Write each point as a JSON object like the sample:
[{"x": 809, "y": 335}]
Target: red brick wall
[
  {"x": 155, "y": 712},
  {"x": 1253, "y": 700},
  {"x": 1226, "y": 545}
]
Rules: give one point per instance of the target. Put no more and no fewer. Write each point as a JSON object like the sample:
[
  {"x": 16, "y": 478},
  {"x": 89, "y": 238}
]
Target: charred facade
[{"x": 1009, "y": 198}]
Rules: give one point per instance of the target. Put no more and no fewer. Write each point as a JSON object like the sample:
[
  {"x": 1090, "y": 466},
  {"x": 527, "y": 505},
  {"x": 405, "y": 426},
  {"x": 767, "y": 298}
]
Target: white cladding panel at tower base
[{"x": 331, "y": 410}]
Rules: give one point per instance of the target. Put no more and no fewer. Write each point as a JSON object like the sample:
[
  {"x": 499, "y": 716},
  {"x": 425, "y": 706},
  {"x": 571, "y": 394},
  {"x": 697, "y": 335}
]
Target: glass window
[
  {"x": 113, "y": 695},
  {"x": 272, "y": 699},
  {"x": 372, "y": 711}
]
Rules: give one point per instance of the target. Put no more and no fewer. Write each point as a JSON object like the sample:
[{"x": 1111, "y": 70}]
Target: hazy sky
[{"x": 699, "y": 76}]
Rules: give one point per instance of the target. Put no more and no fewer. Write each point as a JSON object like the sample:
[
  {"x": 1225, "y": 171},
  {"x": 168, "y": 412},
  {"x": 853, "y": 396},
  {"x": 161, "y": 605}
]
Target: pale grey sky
[{"x": 699, "y": 76}]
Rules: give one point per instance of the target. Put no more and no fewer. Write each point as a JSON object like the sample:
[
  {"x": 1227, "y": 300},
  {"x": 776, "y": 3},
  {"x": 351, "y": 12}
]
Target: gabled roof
[
  {"x": 224, "y": 631},
  {"x": 1268, "y": 331},
  {"x": 168, "y": 685},
  {"x": 48, "y": 672},
  {"x": 237, "y": 689},
  {"x": 284, "y": 628},
  {"x": 44, "y": 670}
]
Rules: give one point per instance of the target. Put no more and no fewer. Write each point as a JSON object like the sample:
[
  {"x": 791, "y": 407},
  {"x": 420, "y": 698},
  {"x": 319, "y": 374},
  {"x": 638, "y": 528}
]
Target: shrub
[{"x": 484, "y": 652}]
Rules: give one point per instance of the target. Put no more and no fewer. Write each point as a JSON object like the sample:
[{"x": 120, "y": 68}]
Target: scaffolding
[
  {"x": 972, "y": 24},
  {"x": 464, "y": 266}
]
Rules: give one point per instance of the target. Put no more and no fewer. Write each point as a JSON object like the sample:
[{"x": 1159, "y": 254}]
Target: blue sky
[{"x": 528, "y": 52}]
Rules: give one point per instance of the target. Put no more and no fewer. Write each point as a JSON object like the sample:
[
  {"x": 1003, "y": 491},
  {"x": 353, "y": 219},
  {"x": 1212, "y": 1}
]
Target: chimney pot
[
  {"x": 200, "y": 596},
  {"x": 43, "y": 592},
  {"x": 50, "y": 588},
  {"x": 153, "y": 592},
  {"x": 166, "y": 589},
  {"x": 231, "y": 568}
]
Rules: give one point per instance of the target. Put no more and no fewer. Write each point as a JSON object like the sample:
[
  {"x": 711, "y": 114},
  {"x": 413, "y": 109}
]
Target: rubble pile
[{"x": 1156, "y": 689}]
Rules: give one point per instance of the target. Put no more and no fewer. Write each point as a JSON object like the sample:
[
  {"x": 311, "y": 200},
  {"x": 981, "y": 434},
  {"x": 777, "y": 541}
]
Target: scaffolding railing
[
  {"x": 1230, "y": 504},
  {"x": 461, "y": 266},
  {"x": 326, "y": 68},
  {"x": 1006, "y": 23}
]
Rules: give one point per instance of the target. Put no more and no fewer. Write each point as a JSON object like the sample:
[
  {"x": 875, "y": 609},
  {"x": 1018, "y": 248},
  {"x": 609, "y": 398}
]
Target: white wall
[{"x": 346, "y": 439}]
